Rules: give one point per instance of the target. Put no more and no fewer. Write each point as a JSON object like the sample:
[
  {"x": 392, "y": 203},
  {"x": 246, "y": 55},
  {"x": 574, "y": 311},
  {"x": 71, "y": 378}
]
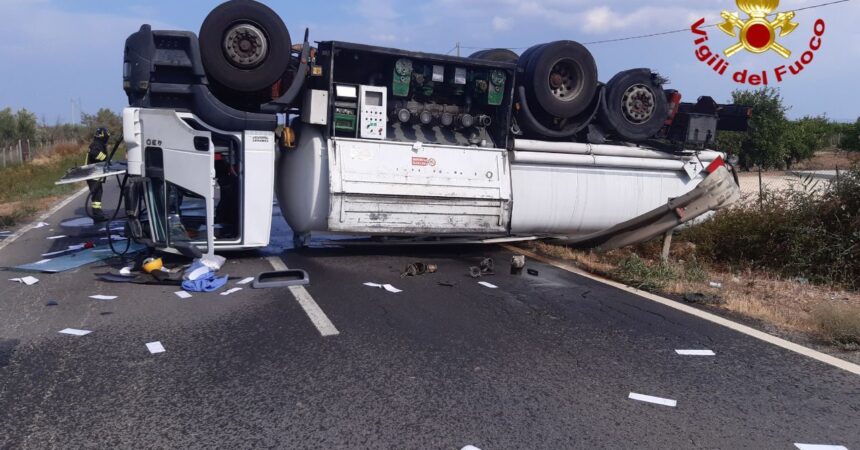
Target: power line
[{"x": 661, "y": 33}]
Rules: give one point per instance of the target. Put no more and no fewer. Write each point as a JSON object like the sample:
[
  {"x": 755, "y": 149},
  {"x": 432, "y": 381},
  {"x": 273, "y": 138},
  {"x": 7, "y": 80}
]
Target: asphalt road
[{"x": 544, "y": 362}]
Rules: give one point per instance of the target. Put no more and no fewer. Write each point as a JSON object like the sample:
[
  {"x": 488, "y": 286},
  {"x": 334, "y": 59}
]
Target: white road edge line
[
  {"x": 654, "y": 400},
  {"x": 43, "y": 218},
  {"x": 314, "y": 312},
  {"x": 749, "y": 331}
]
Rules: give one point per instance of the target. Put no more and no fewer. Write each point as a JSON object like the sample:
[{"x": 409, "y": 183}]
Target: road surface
[{"x": 540, "y": 362}]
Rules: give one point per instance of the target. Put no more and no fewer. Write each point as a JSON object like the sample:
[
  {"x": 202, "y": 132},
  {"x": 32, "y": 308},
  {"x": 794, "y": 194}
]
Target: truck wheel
[
  {"x": 635, "y": 106},
  {"x": 560, "y": 77},
  {"x": 245, "y": 46},
  {"x": 496, "y": 55}
]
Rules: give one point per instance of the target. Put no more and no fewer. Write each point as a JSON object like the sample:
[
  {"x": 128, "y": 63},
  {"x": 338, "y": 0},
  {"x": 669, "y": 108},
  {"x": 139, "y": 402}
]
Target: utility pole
[{"x": 458, "y": 49}]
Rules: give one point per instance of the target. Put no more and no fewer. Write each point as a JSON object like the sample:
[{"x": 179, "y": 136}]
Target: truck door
[{"x": 179, "y": 170}]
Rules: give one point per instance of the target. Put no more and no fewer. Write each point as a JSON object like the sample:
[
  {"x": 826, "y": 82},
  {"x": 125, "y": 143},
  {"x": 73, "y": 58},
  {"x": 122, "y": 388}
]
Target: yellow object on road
[{"x": 152, "y": 265}]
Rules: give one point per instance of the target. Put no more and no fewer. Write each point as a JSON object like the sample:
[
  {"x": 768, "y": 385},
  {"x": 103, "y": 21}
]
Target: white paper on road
[
  {"x": 103, "y": 297},
  {"x": 75, "y": 332},
  {"x": 391, "y": 289},
  {"x": 696, "y": 352},
  {"x": 115, "y": 237},
  {"x": 40, "y": 225},
  {"x": 488, "y": 285},
  {"x": 155, "y": 348},
  {"x": 655, "y": 400},
  {"x": 373, "y": 285},
  {"x": 245, "y": 281},
  {"x": 125, "y": 271},
  {"x": 231, "y": 291},
  {"x": 470, "y": 447},
  {"x": 182, "y": 294},
  {"x": 29, "y": 281},
  {"x": 820, "y": 447},
  {"x": 54, "y": 238}
]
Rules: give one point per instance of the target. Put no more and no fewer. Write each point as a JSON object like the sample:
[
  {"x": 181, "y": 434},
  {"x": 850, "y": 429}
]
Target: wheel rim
[
  {"x": 564, "y": 80},
  {"x": 246, "y": 46},
  {"x": 638, "y": 104}
]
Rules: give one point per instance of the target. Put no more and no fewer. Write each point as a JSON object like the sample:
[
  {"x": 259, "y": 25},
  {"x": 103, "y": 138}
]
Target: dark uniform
[{"x": 98, "y": 153}]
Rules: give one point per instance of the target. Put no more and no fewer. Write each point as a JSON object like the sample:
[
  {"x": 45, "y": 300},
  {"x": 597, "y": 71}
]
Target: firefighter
[{"x": 98, "y": 153}]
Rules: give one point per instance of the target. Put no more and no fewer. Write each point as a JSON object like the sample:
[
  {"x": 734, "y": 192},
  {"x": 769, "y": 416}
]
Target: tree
[
  {"x": 8, "y": 131},
  {"x": 26, "y": 124},
  {"x": 850, "y": 136},
  {"x": 762, "y": 145},
  {"x": 804, "y": 137},
  {"x": 103, "y": 118}
]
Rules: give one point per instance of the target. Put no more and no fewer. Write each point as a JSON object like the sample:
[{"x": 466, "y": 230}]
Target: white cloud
[{"x": 501, "y": 24}]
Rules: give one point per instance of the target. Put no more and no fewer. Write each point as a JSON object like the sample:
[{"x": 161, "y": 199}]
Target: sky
[{"x": 58, "y": 57}]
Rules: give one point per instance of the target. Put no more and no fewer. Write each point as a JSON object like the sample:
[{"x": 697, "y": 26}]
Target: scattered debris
[
  {"x": 231, "y": 291},
  {"x": 704, "y": 299},
  {"x": 70, "y": 248},
  {"x": 125, "y": 271},
  {"x": 214, "y": 262},
  {"x": 655, "y": 400},
  {"x": 155, "y": 348},
  {"x": 475, "y": 272},
  {"x": 518, "y": 263},
  {"x": 54, "y": 238},
  {"x": 387, "y": 287},
  {"x": 103, "y": 297},
  {"x": 281, "y": 279},
  {"x": 80, "y": 222},
  {"x": 40, "y": 225},
  {"x": 488, "y": 285},
  {"x": 417, "y": 269},
  {"x": 695, "y": 352},
  {"x": 74, "y": 332},
  {"x": 246, "y": 281},
  {"x": 488, "y": 266},
  {"x": 447, "y": 284},
  {"x": 209, "y": 282},
  {"x": 76, "y": 260},
  {"x": 29, "y": 281},
  {"x": 533, "y": 272},
  {"x": 52, "y": 303},
  {"x": 152, "y": 264},
  {"x": 183, "y": 295},
  {"x": 716, "y": 285}
]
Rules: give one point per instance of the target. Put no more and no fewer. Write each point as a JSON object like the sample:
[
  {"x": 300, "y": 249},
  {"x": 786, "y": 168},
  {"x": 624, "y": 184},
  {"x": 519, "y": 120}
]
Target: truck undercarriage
[{"x": 373, "y": 141}]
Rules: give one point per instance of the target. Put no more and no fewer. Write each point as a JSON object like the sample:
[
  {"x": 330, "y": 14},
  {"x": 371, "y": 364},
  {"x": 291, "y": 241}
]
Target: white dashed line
[
  {"x": 314, "y": 312},
  {"x": 74, "y": 332},
  {"x": 655, "y": 400},
  {"x": 696, "y": 352},
  {"x": 820, "y": 447},
  {"x": 749, "y": 331}
]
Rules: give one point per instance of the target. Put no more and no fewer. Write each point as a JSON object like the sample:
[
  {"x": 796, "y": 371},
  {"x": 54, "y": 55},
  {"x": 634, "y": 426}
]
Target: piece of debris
[
  {"x": 125, "y": 271},
  {"x": 70, "y": 248},
  {"x": 103, "y": 297},
  {"x": 281, "y": 279},
  {"x": 231, "y": 291},
  {"x": 40, "y": 225},
  {"x": 76, "y": 260},
  {"x": 447, "y": 284},
  {"x": 533, "y": 273},
  {"x": 655, "y": 400},
  {"x": 54, "y": 238},
  {"x": 703, "y": 299},
  {"x": 213, "y": 262},
  {"x": 518, "y": 262},
  {"x": 696, "y": 352},
  {"x": 488, "y": 285},
  {"x": 155, "y": 348},
  {"x": 52, "y": 303},
  {"x": 820, "y": 447},
  {"x": 387, "y": 287},
  {"x": 417, "y": 269},
  {"x": 29, "y": 281},
  {"x": 716, "y": 285},
  {"x": 74, "y": 332},
  {"x": 206, "y": 283},
  {"x": 182, "y": 294},
  {"x": 475, "y": 272},
  {"x": 106, "y": 313},
  {"x": 470, "y": 447},
  {"x": 246, "y": 281},
  {"x": 80, "y": 222},
  {"x": 488, "y": 266}
]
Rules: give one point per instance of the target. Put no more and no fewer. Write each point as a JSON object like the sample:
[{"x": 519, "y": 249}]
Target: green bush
[
  {"x": 636, "y": 272},
  {"x": 799, "y": 233}
]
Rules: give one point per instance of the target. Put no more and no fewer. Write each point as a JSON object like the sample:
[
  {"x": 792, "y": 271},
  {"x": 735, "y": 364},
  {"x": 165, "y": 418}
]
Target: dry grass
[
  {"x": 825, "y": 313},
  {"x": 829, "y": 160}
]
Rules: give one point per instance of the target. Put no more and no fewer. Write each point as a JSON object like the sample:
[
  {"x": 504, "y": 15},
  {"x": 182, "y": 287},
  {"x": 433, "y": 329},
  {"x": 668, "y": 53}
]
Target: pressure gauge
[
  {"x": 497, "y": 77},
  {"x": 403, "y": 67}
]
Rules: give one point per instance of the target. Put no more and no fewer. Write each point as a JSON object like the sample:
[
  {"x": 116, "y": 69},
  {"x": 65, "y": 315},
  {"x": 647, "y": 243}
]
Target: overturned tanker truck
[{"x": 396, "y": 145}]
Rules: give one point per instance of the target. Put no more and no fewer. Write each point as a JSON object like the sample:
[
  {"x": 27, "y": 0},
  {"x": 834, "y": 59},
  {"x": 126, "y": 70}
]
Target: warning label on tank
[{"x": 423, "y": 162}]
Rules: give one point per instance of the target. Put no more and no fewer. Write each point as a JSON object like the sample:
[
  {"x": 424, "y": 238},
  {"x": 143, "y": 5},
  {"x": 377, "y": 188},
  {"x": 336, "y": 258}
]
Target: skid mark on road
[{"x": 312, "y": 309}]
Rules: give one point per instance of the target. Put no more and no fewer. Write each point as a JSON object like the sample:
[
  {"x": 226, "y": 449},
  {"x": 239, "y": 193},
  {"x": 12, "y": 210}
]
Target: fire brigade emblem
[{"x": 758, "y": 34}]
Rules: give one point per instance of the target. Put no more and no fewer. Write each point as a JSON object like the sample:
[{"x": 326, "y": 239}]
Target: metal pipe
[
  {"x": 578, "y": 148},
  {"x": 559, "y": 159}
]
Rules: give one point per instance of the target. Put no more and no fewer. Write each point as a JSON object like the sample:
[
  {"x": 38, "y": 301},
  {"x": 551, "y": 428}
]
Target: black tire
[
  {"x": 560, "y": 77},
  {"x": 496, "y": 55},
  {"x": 635, "y": 107},
  {"x": 257, "y": 72}
]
